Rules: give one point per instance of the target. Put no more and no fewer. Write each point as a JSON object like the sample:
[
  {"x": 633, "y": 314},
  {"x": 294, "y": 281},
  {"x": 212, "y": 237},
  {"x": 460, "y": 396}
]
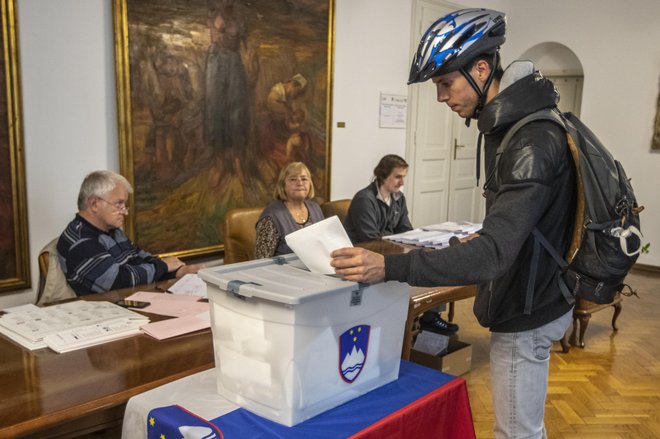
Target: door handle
[{"x": 456, "y": 146}]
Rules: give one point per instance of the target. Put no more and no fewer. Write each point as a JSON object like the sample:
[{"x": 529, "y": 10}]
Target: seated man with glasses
[{"x": 95, "y": 254}]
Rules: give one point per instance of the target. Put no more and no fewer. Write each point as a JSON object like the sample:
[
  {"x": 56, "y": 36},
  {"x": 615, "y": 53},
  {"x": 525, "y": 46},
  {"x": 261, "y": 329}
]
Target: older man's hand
[{"x": 359, "y": 265}]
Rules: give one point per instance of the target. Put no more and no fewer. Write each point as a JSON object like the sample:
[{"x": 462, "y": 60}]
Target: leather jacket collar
[{"x": 525, "y": 96}]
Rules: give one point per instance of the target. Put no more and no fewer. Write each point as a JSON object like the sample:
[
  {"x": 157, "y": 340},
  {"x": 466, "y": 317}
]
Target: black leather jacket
[{"x": 533, "y": 186}]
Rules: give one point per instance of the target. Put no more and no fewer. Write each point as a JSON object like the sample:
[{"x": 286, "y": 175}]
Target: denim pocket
[{"x": 541, "y": 344}]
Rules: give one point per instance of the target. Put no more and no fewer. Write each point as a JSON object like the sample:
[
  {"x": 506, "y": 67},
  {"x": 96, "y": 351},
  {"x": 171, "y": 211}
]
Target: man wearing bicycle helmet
[{"x": 529, "y": 186}]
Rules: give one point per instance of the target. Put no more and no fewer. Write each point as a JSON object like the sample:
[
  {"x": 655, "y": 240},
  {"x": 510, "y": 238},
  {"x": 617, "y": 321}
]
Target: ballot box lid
[{"x": 283, "y": 279}]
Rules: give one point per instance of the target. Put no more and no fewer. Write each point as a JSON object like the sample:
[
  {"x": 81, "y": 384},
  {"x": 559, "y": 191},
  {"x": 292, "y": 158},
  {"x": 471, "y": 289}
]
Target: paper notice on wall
[{"x": 393, "y": 110}]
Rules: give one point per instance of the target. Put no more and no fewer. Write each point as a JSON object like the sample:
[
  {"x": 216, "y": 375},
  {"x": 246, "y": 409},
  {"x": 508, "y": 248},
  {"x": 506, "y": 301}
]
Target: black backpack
[{"x": 606, "y": 236}]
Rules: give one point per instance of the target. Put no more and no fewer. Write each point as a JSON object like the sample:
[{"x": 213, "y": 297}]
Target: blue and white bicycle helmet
[
  {"x": 453, "y": 42},
  {"x": 456, "y": 39}
]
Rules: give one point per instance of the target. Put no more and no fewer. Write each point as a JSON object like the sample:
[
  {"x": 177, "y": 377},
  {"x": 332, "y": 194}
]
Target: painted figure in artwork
[
  {"x": 286, "y": 137},
  {"x": 227, "y": 109}
]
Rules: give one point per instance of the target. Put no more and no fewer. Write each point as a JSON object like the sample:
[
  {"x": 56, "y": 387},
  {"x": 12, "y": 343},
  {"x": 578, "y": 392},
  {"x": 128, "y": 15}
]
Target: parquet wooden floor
[{"x": 610, "y": 389}]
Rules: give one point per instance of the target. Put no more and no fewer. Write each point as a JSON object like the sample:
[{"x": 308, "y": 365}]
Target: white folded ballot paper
[{"x": 314, "y": 244}]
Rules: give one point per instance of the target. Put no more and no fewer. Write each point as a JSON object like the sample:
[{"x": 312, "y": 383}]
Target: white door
[
  {"x": 441, "y": 150},
  {"x": 466, "y": 202}
]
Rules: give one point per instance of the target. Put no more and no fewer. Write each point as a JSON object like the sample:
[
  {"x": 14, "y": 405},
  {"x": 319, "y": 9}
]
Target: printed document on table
[
  {"x": 189, "y": 285},
  {"x": 313, "y": 244},
  {"x": 92, "y": 335},
  {"x": 30, "y": 326}
]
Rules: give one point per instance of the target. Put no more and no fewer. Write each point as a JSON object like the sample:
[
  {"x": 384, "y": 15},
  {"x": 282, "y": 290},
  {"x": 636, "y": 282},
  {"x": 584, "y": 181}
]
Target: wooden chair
[
  {"x": 336, "y": 207},
  {"x": 240, "y": 233},
  {"x": 581, "y": 315},
  {"x": 52, "y": 281}
]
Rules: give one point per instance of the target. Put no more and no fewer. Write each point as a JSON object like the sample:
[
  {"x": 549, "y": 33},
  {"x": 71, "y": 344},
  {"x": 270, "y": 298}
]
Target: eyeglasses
[
  {"x": 119, "y": 205},
  {"x": 297, "y": 179}
]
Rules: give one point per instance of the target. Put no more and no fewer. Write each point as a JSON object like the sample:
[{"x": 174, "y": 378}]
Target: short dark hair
[
  {"x": 386, "y": 165},
  {"x": 489, "y": 58}
]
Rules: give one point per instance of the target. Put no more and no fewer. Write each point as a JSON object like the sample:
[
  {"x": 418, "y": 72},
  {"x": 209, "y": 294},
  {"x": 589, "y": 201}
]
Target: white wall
[
  {"x": 69, "y": 112},
  {"x": 372, "y": 41},
  {"x": 617, "y": 44},
  {"x": 67, "y": 73}
]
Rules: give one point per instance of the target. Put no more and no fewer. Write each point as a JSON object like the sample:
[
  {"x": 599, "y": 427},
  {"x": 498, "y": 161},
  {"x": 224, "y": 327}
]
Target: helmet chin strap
[
  {"x": 481, "y": 95},
  {"x": 481, "y": 92},
  {"x": 481, "y": 101}
]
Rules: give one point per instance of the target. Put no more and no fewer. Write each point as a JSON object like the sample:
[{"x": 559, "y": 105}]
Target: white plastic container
[{"x": 290, "y": 344}]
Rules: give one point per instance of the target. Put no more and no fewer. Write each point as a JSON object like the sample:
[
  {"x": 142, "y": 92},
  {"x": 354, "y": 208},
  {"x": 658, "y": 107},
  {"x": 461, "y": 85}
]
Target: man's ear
[
  {"x": 483, "y": 69},
  {"x": 92, "y": 203}
]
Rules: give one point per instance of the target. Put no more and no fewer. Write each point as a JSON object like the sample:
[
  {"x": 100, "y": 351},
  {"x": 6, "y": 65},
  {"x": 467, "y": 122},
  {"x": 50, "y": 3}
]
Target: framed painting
[
  {"x": 14, "y": 252},
  {"x": 214, "y": 98}
]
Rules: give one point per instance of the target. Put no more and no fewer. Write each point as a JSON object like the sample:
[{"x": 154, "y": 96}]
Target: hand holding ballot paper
[
  {"x": 361, "y": 265},
  {"x": 314, "y": 244}
]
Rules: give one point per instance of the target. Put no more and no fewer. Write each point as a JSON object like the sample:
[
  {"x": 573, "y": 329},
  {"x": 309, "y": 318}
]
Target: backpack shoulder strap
[
  {"x": 543, "y": 114},
  {"x": 551, "y": 114}
]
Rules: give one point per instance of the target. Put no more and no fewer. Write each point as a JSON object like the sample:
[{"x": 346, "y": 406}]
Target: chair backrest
[
  {"x": 336, "y": 207},
  {"x": 52, "y": 281},
  {"x": 240, "y": 234}
]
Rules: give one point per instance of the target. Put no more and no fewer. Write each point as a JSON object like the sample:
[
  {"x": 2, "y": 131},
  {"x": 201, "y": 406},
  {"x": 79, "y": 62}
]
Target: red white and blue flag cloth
[{"x": 421, "y": 403}]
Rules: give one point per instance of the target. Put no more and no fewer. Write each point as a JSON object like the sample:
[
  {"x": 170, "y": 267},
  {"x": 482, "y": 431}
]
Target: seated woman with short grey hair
[{"x": 292, "y": 210}]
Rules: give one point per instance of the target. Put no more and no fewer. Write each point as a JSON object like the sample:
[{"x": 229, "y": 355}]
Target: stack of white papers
[
  {"x": 436, "y": 235},
  {"x": 69, "y": 326}
]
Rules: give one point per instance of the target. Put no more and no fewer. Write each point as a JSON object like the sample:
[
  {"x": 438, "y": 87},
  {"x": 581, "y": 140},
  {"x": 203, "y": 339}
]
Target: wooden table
[
  {"x": 45, "y": 394},
  {"x": 421, "y": 298}
]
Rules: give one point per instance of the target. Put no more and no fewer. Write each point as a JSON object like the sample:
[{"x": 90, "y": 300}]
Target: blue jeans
[{"x": 519, "y": 378}]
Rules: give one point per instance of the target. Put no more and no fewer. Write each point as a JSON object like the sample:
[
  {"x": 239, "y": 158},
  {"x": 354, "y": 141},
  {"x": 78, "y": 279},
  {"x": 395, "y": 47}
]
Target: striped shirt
[{"x": 95, "y": 261}]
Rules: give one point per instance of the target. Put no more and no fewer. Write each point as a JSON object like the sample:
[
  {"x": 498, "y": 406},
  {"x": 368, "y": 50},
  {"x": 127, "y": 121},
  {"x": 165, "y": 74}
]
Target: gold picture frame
[
  {"x": 655, "y": 140},
  {"x": 214, "y": 97},
  {"x": 14, "y": 250}
]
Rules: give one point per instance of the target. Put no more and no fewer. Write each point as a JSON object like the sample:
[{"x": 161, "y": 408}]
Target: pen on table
[{"x": 164, "y": 290}]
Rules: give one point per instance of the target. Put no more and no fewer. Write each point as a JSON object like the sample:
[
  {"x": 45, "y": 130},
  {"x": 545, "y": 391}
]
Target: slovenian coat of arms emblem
[{"x": 353, "y": 346}]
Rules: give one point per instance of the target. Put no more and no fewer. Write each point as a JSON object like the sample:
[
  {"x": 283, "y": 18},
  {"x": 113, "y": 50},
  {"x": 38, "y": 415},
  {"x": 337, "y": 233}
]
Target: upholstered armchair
[
  {"x": 336, "y": 207},
  {"x": 52, "y": 281},
  {"x": 240, "y": 233}
]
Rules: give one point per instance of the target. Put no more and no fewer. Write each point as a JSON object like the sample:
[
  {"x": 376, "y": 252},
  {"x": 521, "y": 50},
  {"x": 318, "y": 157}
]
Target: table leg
[
  {"x": 617, "y": 310},
  {"x": 584, "y": 322},
  {"x": 450, "y": 316},
  {"x": 408, "y": 337},
  {"x": 565, "y": 345},
  {"x": 573, "y": 339}
]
